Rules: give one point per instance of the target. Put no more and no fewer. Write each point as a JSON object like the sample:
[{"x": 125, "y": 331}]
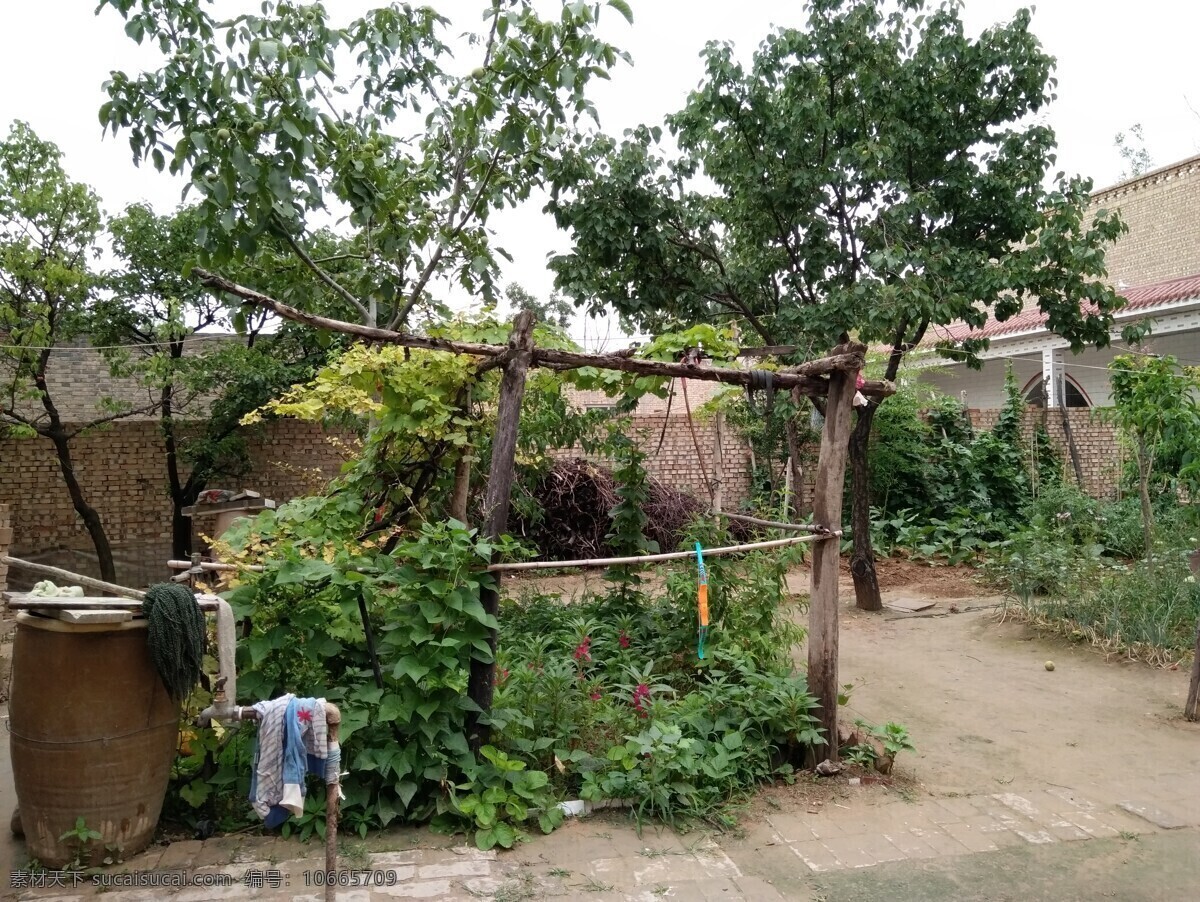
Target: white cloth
[{"x": 268, "y": 757}]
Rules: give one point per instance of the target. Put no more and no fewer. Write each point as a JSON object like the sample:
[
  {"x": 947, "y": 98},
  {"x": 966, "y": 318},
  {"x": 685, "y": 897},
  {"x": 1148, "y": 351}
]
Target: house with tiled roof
[{"x": 1155, "y": 266}]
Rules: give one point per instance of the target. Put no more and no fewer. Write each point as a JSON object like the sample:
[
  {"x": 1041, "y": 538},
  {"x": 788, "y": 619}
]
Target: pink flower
[
  {"x": 595, "y": 696},
  {"x": 623, "y": 640},
  {"x": 640, "y": 695},
  {"x": 583, "y": 649}
]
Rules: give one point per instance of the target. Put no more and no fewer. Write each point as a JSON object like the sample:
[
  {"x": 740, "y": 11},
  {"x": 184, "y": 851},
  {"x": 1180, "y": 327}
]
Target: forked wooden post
[
  {"x": 1191, "y": 709},
  {"x": 823, "y": 596},
  {"x": 481, "y": 683}
]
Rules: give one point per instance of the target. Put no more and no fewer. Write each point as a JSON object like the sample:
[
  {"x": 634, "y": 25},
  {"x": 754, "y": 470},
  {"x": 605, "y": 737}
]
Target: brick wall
[
  {"x": 1100, "y": 455},
  {"x": 79, "y": 379},
  {"x": 1162, "y": 210},
  {"x": 122, "y": 472},
  {"x": 676, "y": 462}
]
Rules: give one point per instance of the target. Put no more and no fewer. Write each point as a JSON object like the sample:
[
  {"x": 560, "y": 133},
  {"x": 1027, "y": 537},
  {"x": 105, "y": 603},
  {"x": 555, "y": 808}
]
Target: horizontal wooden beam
[
  {"x": 808, "y": 377},
  {"x": 22, "y": 601},
  {"x": 771, "y": 524},
  {"x": 75, "y": 578},
  {"x": 768, "y": 351},
  {"x": 655, "y": 558}
]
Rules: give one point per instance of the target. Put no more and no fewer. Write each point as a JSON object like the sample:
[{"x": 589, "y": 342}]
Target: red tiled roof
[{"x": 1144, "y": 297}]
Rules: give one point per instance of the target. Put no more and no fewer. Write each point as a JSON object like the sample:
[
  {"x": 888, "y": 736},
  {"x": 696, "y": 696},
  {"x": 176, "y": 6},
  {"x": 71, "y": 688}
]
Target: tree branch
[
  {"x": 332, "y": 283},
  {"x": 809, "y": 378}
]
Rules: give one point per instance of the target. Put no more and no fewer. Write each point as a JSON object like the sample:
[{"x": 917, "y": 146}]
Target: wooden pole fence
[{"x": 832, "y": 378}]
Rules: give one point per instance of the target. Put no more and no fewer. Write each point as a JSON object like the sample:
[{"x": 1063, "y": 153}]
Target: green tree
[
  {"x": 1156, "y": 403},
  {"x": 557, "y": 311},
  {"x": 876, "y": 173},
  {"x": 281, "y": 117},
  {"x": 204, "y": 386},
  {"x": 49, "y": 226},
  {"x": 1131, "y": 145}
]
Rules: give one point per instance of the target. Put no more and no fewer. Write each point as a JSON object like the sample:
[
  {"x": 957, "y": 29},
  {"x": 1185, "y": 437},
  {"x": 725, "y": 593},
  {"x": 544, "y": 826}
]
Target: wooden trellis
[{"x": 833, "y": 378}]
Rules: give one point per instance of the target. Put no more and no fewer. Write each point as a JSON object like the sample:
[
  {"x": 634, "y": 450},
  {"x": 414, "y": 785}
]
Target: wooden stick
[
  {"x": 773, "y": 524},
  {"x": 6, "y": 534},
  {"x": 808, "y": 377},
  {"x": 823, "y": 594},
  {"x": 652, "y": 558},
  {"x": 76, "y": 578},
  {"x": 718, "y": 498},
  {"x": 482, "y": 678},
  {"x": 1191, "y": 708},
  {"x": 22, "y": 601},
  {"x": 215, "y": 565},
  {"x": 333, "y": 720}
]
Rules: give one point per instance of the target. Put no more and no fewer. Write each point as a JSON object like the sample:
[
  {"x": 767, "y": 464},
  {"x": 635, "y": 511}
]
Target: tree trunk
[
  {"x": 62, "y": 448},
  {"x": 87, "y": 513},
  {"x": 1144, "y": 493},
  {"x": 462, "y": 486},
  {"x": 795, "y": 475},
  {"x": 862, "y": 559},
  {"x": 181, "y": 526}
]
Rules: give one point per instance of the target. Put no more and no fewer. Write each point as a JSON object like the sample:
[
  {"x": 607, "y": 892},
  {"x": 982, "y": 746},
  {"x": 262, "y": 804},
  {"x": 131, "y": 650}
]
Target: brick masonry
[
  {"x": 677, "y": 462},
  {"x": 1100, "y": 453},
  {"x": 1162, "y": 210},
  {"x": 123, "y": 473},
  {"x": 122, "y": 470}
]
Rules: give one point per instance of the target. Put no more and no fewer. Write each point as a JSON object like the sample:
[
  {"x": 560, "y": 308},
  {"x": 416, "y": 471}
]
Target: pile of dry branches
[{"x": 575, "y": 498}]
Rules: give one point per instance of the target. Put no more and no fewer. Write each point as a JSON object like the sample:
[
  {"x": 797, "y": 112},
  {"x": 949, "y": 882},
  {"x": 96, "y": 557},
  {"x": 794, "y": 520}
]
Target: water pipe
[{"x": 224, "y": 701}]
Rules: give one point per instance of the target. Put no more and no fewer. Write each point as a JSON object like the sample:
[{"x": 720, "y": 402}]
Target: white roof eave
[{"x": 1030, "y": 341}]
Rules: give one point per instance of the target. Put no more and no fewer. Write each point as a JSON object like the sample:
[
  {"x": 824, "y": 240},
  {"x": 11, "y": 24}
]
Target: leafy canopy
[
  {"x": 281, "y": 117},
  {"x": 876, "y": 172},
  {"x": 49, "y": 226}
]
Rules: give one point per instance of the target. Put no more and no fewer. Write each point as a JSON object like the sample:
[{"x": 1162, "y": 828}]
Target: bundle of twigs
[{"x": 574, "y": 500}]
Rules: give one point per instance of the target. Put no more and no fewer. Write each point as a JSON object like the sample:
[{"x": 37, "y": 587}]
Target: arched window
[{"x": 1035, "y": 393}]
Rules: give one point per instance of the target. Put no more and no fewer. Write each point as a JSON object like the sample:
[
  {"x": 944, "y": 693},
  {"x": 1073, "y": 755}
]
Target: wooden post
[
  {"x": 462, "y": 486},
  {"x": 718, "y": 466},
  {"x": 1191, "y": 709},
  {"x": 481, "y": 683},
  {"x": 5, "y": 541},
  {"x": 333, "y": 720},
  {"x": 823, "y": 597}
]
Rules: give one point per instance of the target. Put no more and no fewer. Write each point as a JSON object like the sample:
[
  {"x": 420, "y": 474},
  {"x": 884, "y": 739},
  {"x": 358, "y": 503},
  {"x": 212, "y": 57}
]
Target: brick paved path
[{"x": 605, "y": 859}]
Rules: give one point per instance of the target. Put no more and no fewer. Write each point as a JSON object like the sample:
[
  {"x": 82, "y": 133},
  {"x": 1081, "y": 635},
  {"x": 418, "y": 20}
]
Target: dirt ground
[
  {"x": 984, "y": 711},
  {"x": 895, "y": 575}
]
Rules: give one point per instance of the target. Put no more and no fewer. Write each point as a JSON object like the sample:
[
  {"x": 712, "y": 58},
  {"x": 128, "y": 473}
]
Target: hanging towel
[
  {"x": 292, "y": 743},
  {"x": 266, "y": 781}
]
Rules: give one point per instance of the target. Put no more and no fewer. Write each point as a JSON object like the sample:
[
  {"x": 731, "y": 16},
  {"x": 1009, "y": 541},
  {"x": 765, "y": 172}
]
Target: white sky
[{"x": 1118, "y": 63}]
